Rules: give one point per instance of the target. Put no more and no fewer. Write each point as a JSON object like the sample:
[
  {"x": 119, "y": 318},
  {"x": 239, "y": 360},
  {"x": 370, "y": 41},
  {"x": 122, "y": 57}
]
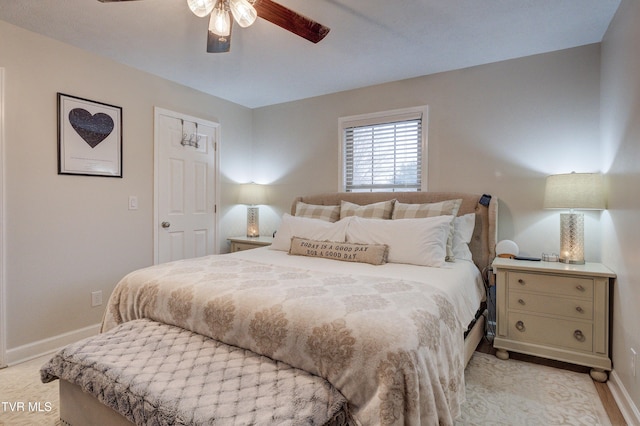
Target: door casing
[{"x": 3, "y": 293}]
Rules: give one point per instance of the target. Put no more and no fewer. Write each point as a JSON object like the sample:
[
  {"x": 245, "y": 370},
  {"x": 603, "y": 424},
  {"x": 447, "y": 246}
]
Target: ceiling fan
[{"x": 245, "y": 12}]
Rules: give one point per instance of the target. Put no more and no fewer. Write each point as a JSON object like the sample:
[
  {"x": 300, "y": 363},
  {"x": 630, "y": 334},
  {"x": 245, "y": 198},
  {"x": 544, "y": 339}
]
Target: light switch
[{"x": 133, "y": 202}]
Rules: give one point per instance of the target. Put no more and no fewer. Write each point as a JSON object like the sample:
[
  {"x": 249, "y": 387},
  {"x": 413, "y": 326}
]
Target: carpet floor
[
  {"x": 498, "y": 393},
  {"x": 514, "y": 392}
]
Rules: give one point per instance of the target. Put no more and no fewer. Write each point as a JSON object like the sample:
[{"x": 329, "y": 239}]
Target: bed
[{"x": 376, "y": 344}]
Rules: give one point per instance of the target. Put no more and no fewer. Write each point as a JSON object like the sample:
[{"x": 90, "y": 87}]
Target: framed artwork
[{"x": 89, "y": 137}]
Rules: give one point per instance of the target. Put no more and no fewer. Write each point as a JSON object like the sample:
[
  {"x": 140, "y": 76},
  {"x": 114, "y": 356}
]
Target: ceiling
[{"x": 371, "y": 41}]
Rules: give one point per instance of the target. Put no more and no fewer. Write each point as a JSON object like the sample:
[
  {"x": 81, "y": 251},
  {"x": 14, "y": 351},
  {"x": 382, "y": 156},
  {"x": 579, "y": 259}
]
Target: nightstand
[
  {"x": 248, "y": 243},
  {"x": 554, "y": 310}
]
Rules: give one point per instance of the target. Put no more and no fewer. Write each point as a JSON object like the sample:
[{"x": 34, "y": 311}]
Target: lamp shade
[
  {"x": 252, "y": 194},
  {"x": 244, "y": 13},
  {"x": 584, "y": 191},
  {"x": 220, "y": 22},
  {"x": 201, "y": 8}
]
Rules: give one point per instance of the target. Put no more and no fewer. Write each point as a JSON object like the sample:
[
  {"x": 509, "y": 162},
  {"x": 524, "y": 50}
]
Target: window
[{"x": 384, "y": 151}]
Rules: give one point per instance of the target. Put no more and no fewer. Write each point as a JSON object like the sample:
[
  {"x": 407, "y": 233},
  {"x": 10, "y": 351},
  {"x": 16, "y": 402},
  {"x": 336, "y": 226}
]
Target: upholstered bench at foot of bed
[{"x": 153, "y": 373}]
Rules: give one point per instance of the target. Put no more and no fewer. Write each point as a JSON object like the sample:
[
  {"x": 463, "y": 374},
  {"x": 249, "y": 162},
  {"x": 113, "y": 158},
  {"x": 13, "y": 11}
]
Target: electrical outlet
[
  {"x": 96, "y": 298},
  {"x": 634, "y": 359}
]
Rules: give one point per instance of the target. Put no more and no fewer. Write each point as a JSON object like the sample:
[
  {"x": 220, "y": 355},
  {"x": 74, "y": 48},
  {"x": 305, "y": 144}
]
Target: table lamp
[
  {"x": 252, "y": 194},
  {"x": 582, "y": 191}
]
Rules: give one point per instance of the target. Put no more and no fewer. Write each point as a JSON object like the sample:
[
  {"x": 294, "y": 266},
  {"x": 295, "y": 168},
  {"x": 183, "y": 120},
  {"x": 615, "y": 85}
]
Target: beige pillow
[
  {"x": 381, "y": 210},
  {"x": 442, "y": 208},
  {"x": 314, "y": 211},
  {"x": 374, "y": 254}
]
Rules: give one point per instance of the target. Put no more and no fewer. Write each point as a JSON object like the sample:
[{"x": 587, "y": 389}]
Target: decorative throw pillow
[
  {"x": 413, "y": 241},
  {"x": 381, "y": 210},
  {"x": 412, "y": 211},
  {"x": 314, "y": 211},
  {"x": 314, "y": 229},
  {"x": 374, "y": 254}
]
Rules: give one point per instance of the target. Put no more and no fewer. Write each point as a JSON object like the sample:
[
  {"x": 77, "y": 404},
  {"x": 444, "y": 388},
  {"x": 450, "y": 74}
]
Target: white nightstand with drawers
[
  {"x": 554, "y": 310},
  {"x": 248, "y": 243}
]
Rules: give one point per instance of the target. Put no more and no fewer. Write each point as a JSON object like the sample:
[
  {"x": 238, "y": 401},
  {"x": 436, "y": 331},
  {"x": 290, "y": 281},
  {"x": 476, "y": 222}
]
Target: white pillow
[
  {"x": 313, "y": 229},
  {"x": 415, "y": 211},
  {"x": 414, "y": 241},
  {"x": 462, "y": 232}
]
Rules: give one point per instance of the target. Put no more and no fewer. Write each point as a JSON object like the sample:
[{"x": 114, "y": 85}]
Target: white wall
[
  {"x": 621, "y": 161},
  {"x": 69, "y": 235},
  {"x": 499, "y": 128}
]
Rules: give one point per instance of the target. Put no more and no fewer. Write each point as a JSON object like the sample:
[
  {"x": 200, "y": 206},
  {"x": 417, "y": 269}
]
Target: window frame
[{"x": 382, "y": 117}]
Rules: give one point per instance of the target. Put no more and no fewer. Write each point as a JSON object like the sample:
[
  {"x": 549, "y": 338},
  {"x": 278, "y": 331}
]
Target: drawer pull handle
[
  {"x": 520, "y": 301},
  {"x": 579, "y": 309},
  {"x": 521, "y": 281},
  {"x": 579, "y": 336},
  {"x": 579, "y": 287},
  {"x": 520, "y": 326}
]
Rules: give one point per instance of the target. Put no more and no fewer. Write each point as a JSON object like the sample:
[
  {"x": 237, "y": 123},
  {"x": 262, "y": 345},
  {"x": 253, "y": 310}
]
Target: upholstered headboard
[{"x": 483, "y": 241}]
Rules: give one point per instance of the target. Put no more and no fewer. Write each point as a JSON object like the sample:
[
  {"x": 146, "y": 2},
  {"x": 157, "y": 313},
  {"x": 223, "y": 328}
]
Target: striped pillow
[
  {"x": 314, "y": 211},
  {"x": 381, "y": 210},
  {"x": 415, "y": 211}
]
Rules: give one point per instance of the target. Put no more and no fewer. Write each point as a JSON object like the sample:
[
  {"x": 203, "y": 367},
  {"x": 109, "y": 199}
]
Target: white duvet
[{"x": 461, "y": 280}]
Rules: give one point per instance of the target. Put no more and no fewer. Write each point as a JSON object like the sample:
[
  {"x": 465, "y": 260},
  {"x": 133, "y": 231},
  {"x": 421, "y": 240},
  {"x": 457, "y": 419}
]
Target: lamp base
[
  {"x": 253, "y": 222},
  {"x": 572, "y": 262},
  {"x": 572, "y": 238}
]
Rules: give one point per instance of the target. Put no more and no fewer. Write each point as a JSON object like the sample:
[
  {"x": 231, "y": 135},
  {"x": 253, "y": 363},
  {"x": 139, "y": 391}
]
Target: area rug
[
  {"x": 498, "y": 393},
  {"x": 25, "y": 400},
  {"x": 513, "y": 392}
]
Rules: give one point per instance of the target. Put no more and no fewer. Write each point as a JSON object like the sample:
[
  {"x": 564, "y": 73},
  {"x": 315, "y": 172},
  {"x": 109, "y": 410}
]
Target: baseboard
[
  {"x": 626, "y": 405},
  {"x": 45, "y": 346}
]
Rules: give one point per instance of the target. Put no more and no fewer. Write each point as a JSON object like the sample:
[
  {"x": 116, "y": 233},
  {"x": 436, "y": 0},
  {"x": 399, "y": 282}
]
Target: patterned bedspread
[{"x": 393, "y": 348}]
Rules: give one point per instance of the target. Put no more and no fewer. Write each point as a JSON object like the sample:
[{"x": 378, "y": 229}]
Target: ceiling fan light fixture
[
  {"x": 243, "y": 12},
  {"x": 201, "y": 8},
  {"x": 220, "y": 22}
]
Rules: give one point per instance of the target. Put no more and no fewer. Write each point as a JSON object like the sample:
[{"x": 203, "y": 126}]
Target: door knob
[{"x": 165, "y": 224}]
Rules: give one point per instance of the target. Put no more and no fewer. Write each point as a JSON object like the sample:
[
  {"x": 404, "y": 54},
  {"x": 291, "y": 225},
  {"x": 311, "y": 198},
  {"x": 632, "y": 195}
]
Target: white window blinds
[{"x": 383, "y": 153}]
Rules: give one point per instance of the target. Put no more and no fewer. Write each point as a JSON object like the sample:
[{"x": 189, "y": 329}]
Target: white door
[
  {"x": 185, "y": 186},
  {"x": 2, "y": 226}
]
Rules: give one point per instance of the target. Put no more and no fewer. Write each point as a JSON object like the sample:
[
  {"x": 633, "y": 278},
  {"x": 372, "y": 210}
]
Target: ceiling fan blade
[
  {"x": 290, "y": 20},
  {"x": 216, "y": 43}
]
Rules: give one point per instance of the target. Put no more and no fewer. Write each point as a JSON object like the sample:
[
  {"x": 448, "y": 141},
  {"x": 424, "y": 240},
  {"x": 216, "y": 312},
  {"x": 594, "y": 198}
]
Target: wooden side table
[
  {"x": 248, "y": 243},
  {"x": 554, "y": 310}
]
